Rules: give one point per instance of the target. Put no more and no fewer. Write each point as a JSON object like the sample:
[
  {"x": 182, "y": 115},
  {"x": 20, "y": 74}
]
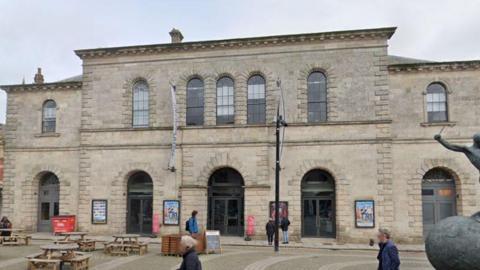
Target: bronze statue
[
  {"x": 453, "y": 242},
  {"x": 472, "y": 152}
]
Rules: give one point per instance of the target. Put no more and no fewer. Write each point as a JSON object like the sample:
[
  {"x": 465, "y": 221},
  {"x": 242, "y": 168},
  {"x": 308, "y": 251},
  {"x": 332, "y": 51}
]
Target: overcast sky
[{"x": 45, "y": 33}]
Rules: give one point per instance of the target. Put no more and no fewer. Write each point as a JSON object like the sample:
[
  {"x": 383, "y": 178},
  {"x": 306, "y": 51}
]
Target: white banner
[{"x": 171, "y": 164}]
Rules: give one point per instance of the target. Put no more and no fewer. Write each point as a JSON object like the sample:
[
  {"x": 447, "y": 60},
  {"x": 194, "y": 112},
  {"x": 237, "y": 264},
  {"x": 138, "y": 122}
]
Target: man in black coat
[
  {"x": 284, "y": 225},
  {"x": 388, "y": 258},
  {"x": 270, "y": 229},
  {"x": 190, "y": 257}
]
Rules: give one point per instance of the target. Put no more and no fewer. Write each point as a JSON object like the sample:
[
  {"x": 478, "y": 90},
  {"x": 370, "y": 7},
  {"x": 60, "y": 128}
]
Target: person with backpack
[
  {"x": 284, "y": 225},
  {"x": 191, "y": 225},
  {"x": 270, "y": 229}
]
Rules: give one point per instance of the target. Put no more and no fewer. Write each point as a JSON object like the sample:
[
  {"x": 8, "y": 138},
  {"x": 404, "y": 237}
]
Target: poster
[
  {"x": 99, "y": 211},
  {"x": 171, "y": 212},
  {"x": 283, "y": 206},
  {"x": 213, "y": 242},
  {"x": 365, "y": 214}
]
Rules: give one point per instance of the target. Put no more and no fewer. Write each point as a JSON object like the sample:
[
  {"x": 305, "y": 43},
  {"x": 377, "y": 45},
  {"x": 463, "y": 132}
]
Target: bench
[
  {"x": 139, "y": 248},
  {"x": 80, "y": 262},
  {"x": 86, "y": 245},
  {"x": 34, "y": 264},
  {"x": 117, "y": 249}
]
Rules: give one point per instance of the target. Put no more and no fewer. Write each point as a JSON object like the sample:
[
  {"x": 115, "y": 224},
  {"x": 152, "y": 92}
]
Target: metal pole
[{"x": 277, "y": 179}]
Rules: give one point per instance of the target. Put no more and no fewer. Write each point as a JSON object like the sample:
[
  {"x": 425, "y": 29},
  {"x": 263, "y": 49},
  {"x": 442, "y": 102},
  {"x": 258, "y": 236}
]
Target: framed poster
[
  {"x": 365, "y": 214},
  {"x": 283, "y": 206},
  {"x": 99, "y": 211},
  {"x": 171, "y": 212}
]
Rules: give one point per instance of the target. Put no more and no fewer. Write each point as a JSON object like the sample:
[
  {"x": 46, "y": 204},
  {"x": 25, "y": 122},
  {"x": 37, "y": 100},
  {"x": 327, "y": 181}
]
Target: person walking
[
  {"x": 5, "y": 224},
  {"x": 388, "y": 258},
  {"x": 270, "y": 229},
  {"x": 190, "y": 258},
  {"x": 284, "y": 225},
  {"x": 192, "y": 225}
]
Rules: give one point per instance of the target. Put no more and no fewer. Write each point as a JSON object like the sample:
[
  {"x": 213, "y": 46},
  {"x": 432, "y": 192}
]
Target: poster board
[
  {"x": 365, "y": 214},
  {"x": 283, "y": 213},
  {"x": 212, "y": 242},
  {"x": 99, "y": 211},
  {"x": 171, "y": 212}
]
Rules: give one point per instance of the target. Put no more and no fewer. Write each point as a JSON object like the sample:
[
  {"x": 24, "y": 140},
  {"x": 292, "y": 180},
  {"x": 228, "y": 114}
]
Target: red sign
[
  {"x": 250, "y": 225},
  {"x": 62, "y": 224}
]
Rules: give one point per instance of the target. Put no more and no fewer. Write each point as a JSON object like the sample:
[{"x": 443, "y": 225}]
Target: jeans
[
  {"x": 285, "y": 236},
  {"x": 270, "y": 238}
]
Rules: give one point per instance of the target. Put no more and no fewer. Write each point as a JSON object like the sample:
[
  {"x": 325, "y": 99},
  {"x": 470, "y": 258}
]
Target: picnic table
[
  {"x": 16, "y": 237},
  {"x": 56, "y": 255},
  {"x": 77, "y": 238},
  {"x": 124, "y": 244}
]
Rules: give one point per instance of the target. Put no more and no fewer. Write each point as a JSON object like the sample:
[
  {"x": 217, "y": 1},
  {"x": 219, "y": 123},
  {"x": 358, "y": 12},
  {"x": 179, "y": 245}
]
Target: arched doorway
[
  {"x": 140, "y": 204},
  {"x": 438, "y": 197},
  {"x": 318, "y": 204},
  {"x": 48, "y": 201},
  {"x": 225, "y": 202}
]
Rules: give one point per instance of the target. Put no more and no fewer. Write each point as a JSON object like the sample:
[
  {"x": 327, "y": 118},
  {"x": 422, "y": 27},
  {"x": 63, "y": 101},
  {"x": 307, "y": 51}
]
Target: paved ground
[{"x": 232, "y": 258}]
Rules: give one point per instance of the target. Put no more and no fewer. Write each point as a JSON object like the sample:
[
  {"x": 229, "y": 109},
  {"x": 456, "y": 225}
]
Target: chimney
[
  {"x": 38, "y": 79},
  {"x": 176, "y": 35}
]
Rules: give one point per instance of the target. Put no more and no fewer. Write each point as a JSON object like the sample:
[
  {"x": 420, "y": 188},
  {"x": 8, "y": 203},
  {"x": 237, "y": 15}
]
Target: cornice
[
  {"x": 42, "y": 87},
  {"x": 435, "y": 66},
  {"x": 364, "y": 34}
]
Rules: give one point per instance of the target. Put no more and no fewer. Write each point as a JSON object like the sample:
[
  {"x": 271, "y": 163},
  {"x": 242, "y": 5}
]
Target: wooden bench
[
  {"x": 34, "y": 264},
  {"x": 86, "y": 245},
  {"x": 80, "y": 262},
  {"x": 139, "y": 248},
  {"x": 117, "y": 249}
]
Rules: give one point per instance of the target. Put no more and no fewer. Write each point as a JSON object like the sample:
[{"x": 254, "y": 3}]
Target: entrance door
[
  {"x": 318, "y": 218},
  {"x": 225, "y": 202},
  {"x": 140, "y": 215},
  {"x": 227, "y": 216},
  {"x": 318, "y": 204},
  {"x": 140, "y": 204},
  {"x": 438, "y": 198},
  {"x": 48, "y": 201}
]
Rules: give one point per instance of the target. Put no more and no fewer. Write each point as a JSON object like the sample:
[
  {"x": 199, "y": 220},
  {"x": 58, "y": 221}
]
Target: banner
[{"x": 171, "y": 164}]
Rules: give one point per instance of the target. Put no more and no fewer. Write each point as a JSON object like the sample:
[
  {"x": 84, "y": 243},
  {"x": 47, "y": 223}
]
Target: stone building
[
  {"x": 1, "y": 165},
  {"x": 361, "y": 124}
]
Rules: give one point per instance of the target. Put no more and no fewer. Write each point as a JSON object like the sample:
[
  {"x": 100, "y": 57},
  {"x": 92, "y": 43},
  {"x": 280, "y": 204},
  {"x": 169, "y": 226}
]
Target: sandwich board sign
[{"x": 212, "y": 239}]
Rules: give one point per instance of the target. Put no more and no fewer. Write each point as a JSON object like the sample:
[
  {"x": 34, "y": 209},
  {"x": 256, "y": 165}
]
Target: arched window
[
  {"x": 256, "y": 100},
  {"x": 140, "y": 104},
  {"x": 317, "y": 97},
  {"x": 437, "y": 107},
  {"x": 225, "y": 101},
  {"x": 195, "y": 102},
  {"x": 49, "y": 118}
]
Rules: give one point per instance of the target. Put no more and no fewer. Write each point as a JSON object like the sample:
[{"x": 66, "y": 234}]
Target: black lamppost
[{"x": 279, "y": 123}]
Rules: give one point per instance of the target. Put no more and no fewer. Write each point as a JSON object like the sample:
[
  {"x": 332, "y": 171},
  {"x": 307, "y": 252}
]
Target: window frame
[
  {"x": 144, "y": 101},
  {"x": 187, "y": 106},
  {"x": 230, "y": 117},
  {"x": 428, "y": 119},
  {"x": 320, "y": 118},
  {"x": 251, "y": 102},
  {"x": 45, "y": 127}
]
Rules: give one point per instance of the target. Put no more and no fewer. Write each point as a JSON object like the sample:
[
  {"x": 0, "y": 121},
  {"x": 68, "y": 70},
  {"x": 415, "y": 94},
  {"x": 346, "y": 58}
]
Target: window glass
[
  {"x": 140, "y": 104},
  {"x": 317, "y": 97},
  {"x": 225, "y": 101},
  {"x": 256, "y": 100},
  {"x": 49, "y": 116},
  {"x": 437, "y": 103},
  {"x": 195, "y": 102}
]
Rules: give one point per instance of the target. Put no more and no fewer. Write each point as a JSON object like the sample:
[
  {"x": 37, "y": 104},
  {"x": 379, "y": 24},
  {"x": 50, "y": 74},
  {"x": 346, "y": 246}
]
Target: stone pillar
[
  {"x": 256, "y": 204},
  {"x": 194, "y": 198}
]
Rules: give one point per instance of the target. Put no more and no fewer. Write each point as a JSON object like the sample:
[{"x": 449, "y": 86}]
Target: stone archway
[{"x": 48, "y": 200}]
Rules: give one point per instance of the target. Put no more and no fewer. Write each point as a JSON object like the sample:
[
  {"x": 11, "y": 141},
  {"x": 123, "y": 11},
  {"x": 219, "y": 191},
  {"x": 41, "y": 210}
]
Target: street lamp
[{"x": 280, "y": 122}]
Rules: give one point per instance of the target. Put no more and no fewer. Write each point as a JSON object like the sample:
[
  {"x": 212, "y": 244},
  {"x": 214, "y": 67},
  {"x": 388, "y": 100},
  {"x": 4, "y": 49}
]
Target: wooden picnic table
[
  {"x": 69, "y": 235},
  {"x": 123, "y": 244},
  {"x": 55, "y": 255},
  {"x": 14, "y": 237}
]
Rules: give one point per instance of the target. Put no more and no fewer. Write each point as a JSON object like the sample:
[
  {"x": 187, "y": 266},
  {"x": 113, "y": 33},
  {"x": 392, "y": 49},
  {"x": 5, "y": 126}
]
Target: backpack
[{"x": 187, "y": 225}]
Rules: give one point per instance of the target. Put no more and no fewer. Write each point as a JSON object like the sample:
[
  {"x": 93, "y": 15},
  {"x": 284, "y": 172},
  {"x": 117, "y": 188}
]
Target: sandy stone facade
[{"x": 376, "y": 143}]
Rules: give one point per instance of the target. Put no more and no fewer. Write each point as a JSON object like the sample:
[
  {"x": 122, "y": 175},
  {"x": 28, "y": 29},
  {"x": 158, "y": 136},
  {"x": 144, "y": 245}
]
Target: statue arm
[{"x": 453, "y": 147}]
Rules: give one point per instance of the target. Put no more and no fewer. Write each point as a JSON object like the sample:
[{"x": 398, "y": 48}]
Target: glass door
[
  {"x": 326, "y": 222},
  {"x": 310, "y": 217},
  {"x": 48, "y": 206},
  {"x": 140, "y": 216},
  {"x": 318, "y": 217},
  {"x": 227, "y": 215}
]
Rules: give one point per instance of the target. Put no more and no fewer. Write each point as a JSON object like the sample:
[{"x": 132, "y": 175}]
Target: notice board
[{"x": 213, "y": 244}]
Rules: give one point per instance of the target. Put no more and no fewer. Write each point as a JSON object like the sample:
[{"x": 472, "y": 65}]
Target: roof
[
  {"x": 435, "y": 66},
  {"x": 77, "y": 78},
  {"x": 278, "y": 40},
  {"x": 395, "y": 60},
  {"x": 44, "y": 86}
]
